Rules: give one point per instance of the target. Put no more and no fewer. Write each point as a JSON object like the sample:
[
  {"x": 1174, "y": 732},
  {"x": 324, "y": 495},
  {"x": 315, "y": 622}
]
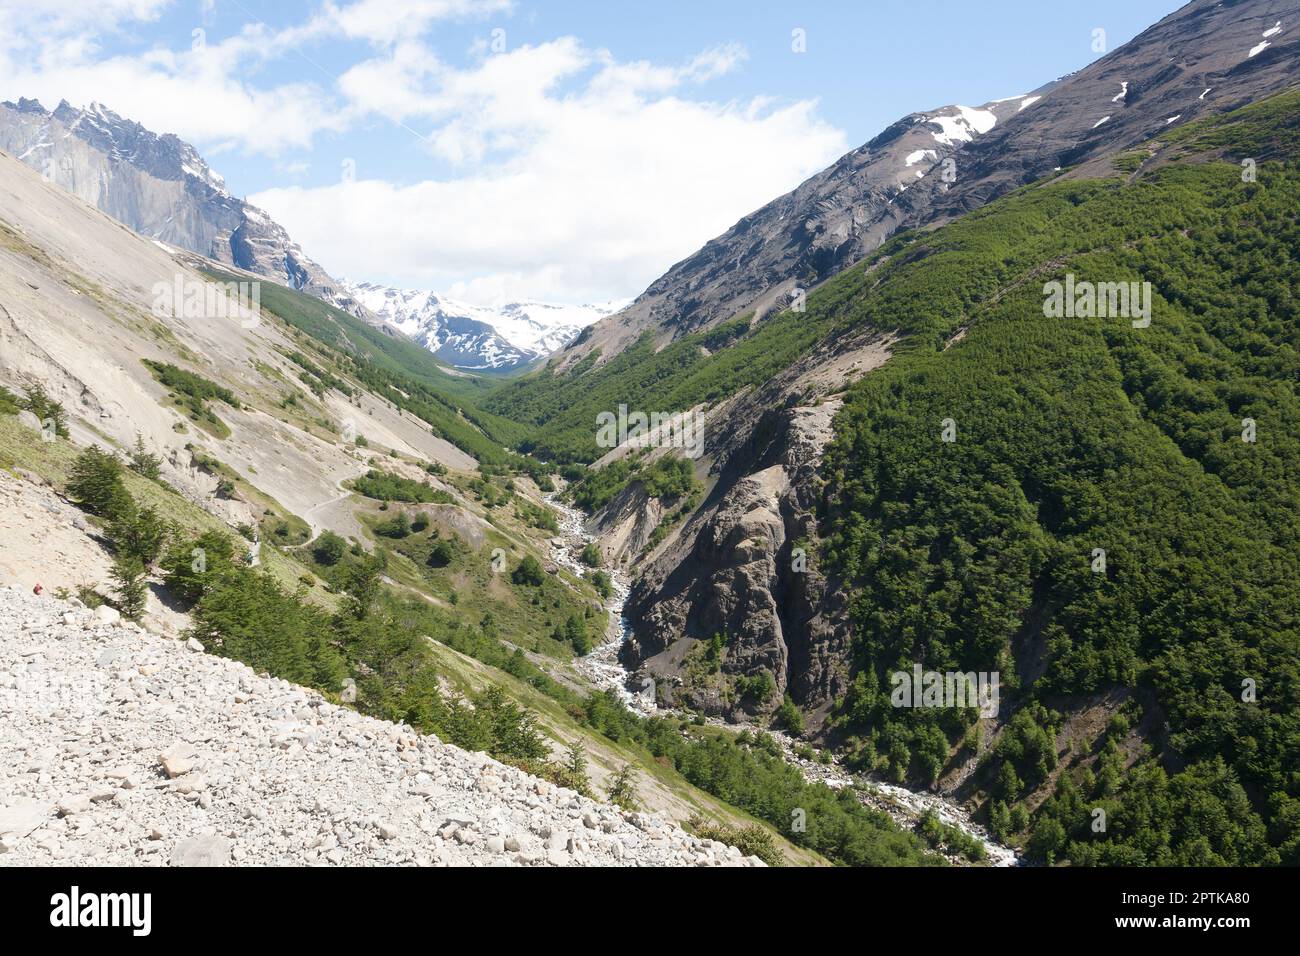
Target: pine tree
[
  {"x": 622, "y": 789},
  {"x": 129, "y": 580}
]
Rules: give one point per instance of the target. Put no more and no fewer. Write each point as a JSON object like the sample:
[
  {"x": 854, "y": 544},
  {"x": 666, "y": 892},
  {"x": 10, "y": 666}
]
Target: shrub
[
  {"x": 329, "y": 548},
  {"x": 751, "y": 840},
  {"x": 441, "y": 554},
  {"x": 528, "y": 571},
  {"x": 95, "y": 483}
]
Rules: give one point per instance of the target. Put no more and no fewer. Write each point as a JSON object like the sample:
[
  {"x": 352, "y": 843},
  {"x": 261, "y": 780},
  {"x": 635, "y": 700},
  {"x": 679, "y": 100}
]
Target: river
[{"x": 604, "y": 669}]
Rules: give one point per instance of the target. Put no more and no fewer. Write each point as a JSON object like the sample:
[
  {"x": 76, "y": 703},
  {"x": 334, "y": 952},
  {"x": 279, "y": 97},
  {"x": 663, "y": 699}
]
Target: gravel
[{"x": 119, "y": 747}]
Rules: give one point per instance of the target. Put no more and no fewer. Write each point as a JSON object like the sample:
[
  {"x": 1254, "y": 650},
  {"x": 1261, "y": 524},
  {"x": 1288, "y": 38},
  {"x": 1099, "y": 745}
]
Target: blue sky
[{"x": 498, "y": 149}]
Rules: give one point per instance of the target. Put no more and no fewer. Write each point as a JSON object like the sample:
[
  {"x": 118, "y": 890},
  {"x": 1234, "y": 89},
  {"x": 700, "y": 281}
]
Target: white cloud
[
  {"x": 574, "y": 176},
  {"x": 51, "y": 50},
  {"x": 571, "y": 194},
  {"x": 385, "y": 21}
]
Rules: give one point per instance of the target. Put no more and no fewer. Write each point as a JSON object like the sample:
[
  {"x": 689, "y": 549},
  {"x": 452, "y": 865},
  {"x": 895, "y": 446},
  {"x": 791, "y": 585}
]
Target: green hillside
[{"x": 1073, "y": 435}]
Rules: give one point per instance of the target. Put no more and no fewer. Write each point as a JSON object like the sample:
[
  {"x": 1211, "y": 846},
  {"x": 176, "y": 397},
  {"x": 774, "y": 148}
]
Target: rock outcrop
[{"x": 745, "y": 566}]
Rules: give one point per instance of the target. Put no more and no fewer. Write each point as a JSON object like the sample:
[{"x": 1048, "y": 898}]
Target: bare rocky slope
[
  {"x": 1207, "y": 57},
  {"x": 118, "y": 747},
  {"x": 160, "y": 187}
]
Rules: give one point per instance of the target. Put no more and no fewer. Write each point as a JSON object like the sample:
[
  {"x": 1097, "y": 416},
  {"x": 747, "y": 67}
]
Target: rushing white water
[
  {"x": 602, "y": 666},
  {"x": 604, "y": 669}
]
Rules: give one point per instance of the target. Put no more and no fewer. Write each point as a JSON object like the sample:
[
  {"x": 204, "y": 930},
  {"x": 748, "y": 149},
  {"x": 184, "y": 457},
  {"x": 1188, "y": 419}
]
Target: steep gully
[{"x": 606, "y": 672}]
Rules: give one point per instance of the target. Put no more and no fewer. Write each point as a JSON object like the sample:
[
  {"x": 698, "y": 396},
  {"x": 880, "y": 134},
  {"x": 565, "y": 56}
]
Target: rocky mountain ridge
[
  {"x": 162, "y": 188},
  {"x": 728, "y": 569},
  {"x": 927, "y": 168}
]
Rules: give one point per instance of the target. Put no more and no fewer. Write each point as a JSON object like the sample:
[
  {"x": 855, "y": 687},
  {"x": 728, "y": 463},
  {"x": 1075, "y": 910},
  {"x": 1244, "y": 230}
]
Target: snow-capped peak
[{"x": 470, "y": 336}]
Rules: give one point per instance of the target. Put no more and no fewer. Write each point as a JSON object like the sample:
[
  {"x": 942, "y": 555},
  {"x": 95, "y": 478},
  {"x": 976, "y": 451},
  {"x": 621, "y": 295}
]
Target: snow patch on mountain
[
  {"x": 480, "y": 337},
  {"x": 964, "y": 127}
]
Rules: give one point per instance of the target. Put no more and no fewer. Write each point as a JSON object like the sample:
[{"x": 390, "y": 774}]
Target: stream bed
[{"x": 604, "y": 669}]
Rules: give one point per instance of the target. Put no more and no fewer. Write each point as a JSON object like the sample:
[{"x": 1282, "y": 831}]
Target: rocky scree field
[{"x": 118, "y": 748}]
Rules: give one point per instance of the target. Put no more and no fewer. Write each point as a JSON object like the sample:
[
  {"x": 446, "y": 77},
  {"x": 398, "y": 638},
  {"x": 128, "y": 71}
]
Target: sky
[{"x": 558, "y": 150}]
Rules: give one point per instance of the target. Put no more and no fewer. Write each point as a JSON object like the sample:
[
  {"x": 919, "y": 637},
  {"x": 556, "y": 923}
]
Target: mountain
[
  {"x": 351, "y": 504},
  {"x": 161, "y": 187},
  {"x": 1205, "y": 58},
  {"x": 1087, "y": 532},
  {"x": 478, "y": 337}
]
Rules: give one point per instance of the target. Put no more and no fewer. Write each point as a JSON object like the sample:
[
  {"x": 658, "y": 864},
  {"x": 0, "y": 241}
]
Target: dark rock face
[
  {"x": 744, "y": 566},
  {"x": 1196, "y": 61},
  {"x": 161, "y": 187}
]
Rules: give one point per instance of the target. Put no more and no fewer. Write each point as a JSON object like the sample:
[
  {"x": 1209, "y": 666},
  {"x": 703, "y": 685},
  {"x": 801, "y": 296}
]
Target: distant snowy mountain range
[{"x": 477, "y": 337}]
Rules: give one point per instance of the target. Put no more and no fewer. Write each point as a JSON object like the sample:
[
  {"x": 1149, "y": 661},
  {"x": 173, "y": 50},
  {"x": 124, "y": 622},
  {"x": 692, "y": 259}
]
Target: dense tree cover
[
  {"x": 667, "y": 477},
  {"x": 9, "y": 402},
  {"x": 749, "y": 772},
  {"x": 561, "y": 410},
  {"x": 385, "y": 486},
  {"x": 1097, "y": 520}
]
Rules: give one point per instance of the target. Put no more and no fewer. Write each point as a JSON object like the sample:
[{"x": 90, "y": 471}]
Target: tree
[
  {"x": 139, "y": 534},
  {"x": 573, "y": 772},
  {"x": 528, "y": 571},
  {"x": 362, "y": 587},
  {"x": 575, "y": 633},
  {"x": 399, "y": 526},
  {"x": 591, "y": 556},
  {"x": 192, "y": 565},
  {"x": 129, "y": 580},
  {"x": 329, "y": 548},
  {"x": 49, "y": 411},
  {"x": 95, "y": 483},
  {"x": 144, "y": 462},
  {"x": 789, "y": 716},
  {"x": 1048, "y": 837},
  {"x": 622, "y": 789}
]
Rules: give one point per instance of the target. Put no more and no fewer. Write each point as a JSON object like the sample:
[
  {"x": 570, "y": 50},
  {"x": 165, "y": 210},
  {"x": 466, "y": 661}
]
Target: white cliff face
[
  {"x": 479, "y": 337},
  {"x": 159, "y": 186}
]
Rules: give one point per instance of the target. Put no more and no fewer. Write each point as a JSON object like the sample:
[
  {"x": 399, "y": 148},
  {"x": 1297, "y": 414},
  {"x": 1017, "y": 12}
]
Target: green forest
[{"x": 1115, "y": 508}]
